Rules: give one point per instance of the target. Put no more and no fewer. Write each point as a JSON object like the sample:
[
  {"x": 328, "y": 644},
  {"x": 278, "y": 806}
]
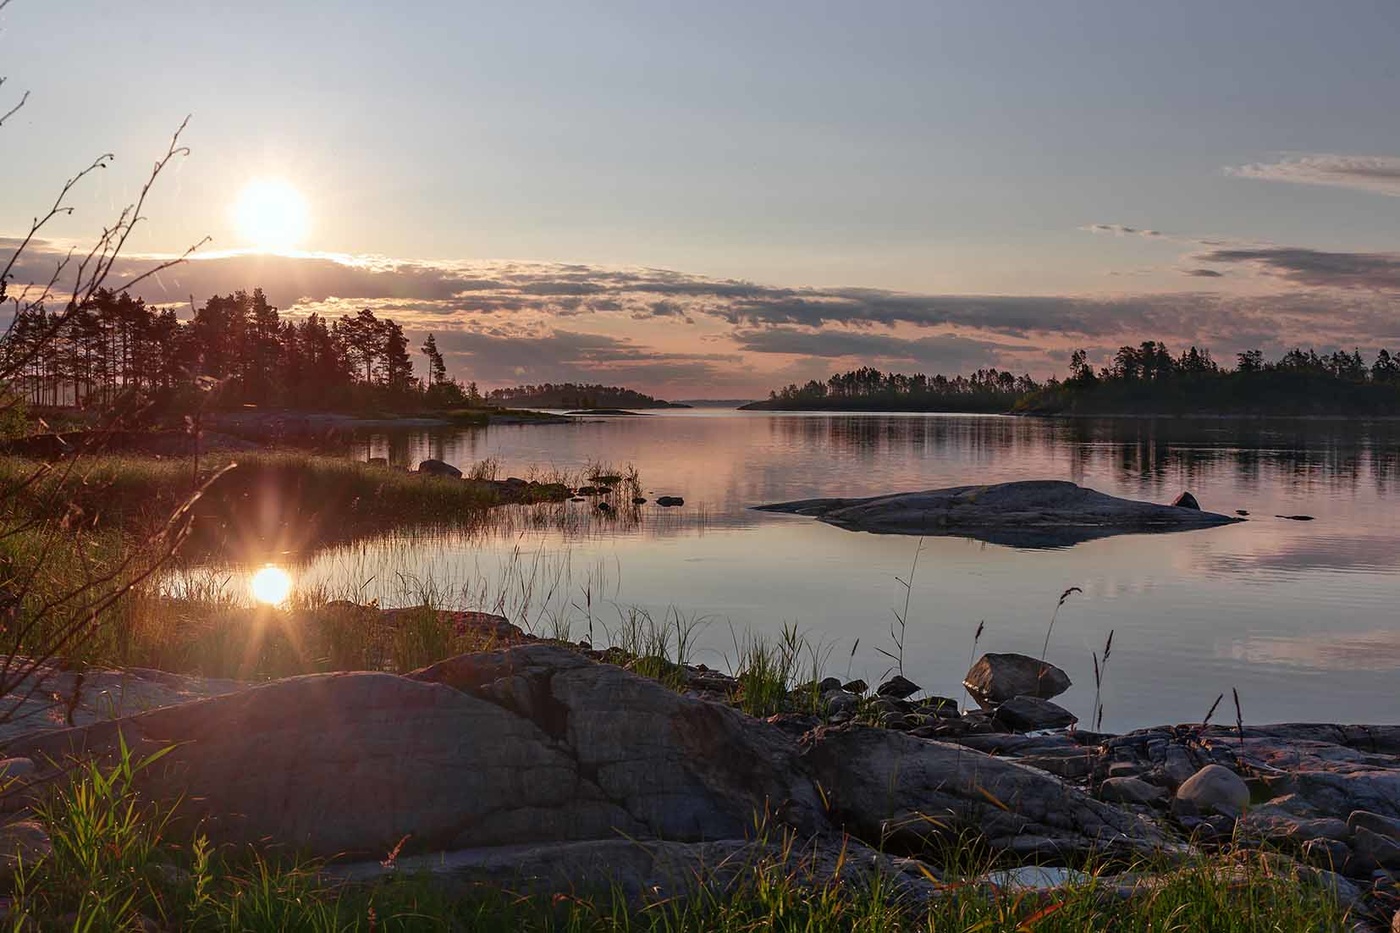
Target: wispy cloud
[
  {"x": 1121, "y": 230},
  {"x": 1380, "y": 174}
]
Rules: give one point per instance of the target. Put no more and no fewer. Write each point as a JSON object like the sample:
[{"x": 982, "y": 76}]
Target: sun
[
  {"x": 271, "y": 215},
  {"x": 271, "y": 585}
]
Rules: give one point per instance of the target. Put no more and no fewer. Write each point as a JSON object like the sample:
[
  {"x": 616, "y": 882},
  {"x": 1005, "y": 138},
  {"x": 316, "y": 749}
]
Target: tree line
[
  {"x": 574, "y": 395},
  {"x": 1146, "y": 378},
  {"x": 237, "y": 347},
  {"x": 870, "y": 389}
]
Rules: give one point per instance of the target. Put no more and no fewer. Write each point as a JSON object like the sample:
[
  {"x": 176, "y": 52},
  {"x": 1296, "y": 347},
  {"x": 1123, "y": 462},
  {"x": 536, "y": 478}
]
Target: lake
[{"x": 1303, "y": 618}]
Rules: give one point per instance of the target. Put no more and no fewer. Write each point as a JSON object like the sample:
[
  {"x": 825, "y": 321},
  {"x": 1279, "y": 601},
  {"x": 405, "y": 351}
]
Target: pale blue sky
[{"x": 928, "y": 147}]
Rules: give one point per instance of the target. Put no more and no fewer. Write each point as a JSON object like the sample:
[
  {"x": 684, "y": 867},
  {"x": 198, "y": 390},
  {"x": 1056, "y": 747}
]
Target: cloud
[
  {"x": 1369, "y": 271},
  {"x": 1120, "y": 230},
  {"x": 507, "y": 358},
  {"x": 674, "y": 333},
  {"x": 1380, "y": 174},
  {"x": 946, "y": 352}
]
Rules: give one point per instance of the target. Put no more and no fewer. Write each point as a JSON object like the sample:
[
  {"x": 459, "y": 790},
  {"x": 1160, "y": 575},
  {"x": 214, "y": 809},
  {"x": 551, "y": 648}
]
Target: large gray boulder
[
  {"x": 1215, "y": 789},
  {"x": 1031, "y": 513},
  {"x": 532, "y": 744},
  {"x": 996, "y": 678}
]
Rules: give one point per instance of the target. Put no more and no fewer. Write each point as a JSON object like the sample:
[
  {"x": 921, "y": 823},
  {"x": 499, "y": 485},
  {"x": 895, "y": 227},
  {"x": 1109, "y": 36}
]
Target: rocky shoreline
[{"x": 561, "y": 767}]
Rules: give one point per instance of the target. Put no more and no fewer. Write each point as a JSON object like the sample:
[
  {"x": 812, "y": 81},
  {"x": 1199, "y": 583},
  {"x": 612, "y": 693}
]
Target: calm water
[{"x": 1301, "y": 617}]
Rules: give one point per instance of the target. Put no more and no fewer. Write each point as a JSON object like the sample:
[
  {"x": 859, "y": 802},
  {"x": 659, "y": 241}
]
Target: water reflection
[{"x": 1194, "y": 613}]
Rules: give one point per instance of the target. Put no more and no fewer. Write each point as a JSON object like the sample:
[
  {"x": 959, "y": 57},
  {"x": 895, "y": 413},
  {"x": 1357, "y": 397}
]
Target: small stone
[
  {"x": 1029, "y": 714},
  {"x": 1186, "y": 501},
  {"x": 1130, "y": 790},
  {"x": 857, "y": 687},
  {"x": 828, "y": 684},
  {"x": 24, "y": 841},
  {"x": 1121, "y": 769},
  {"x": 668, "y": 502},
  {"x": 996, "y": 678},
  {"x": 1178, "y": 766},
  {"x": 839, "y": 701},
  {"x": 1215, "y": 788},
  {"x": 15, "y": 769},
  {"x": 898, "y": 687},
  {"x": 639, "y": 500},
  {"x": 939, "y": 706}
]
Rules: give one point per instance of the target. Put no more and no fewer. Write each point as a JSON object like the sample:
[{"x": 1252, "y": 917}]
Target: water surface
[{"x": 1300, "y": 617}]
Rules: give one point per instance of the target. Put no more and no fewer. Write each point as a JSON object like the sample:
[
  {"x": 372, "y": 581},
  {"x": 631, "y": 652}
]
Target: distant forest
[
  {"x": 1145, "y": 379},
  {"x": 867, "y": 389},
  {"x": 237, "y": 350},
  {"x": 571, "y": 395}
]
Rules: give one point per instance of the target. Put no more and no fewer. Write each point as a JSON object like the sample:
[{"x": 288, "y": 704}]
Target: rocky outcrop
[
  {"x": 539, "y": 745},
  {"x": 909, "y": 793},
  {"x": 1034, "y": 513}
]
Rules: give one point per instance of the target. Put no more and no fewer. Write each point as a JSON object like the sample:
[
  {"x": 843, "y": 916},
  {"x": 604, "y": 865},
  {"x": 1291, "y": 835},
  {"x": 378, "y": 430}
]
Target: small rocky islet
[
  {"x": 1025, "y": 513},
  {"x": 561, "y": 767}
]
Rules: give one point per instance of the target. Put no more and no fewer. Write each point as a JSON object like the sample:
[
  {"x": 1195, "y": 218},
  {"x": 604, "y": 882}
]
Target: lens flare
[{"x": 271, "y": 585}]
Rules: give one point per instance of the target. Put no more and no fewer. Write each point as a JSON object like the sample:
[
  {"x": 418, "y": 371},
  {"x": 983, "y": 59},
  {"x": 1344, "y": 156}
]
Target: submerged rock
[{"x": 1033, "y": 513}]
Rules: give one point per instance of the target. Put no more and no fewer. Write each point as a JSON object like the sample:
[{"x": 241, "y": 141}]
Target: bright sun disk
[
  {"x": 271, "y": 585},
  {"x": 272, "y": 215}
]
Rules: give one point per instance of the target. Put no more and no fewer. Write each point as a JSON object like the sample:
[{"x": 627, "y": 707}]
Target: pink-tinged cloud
[{"x": 680, "y": 335}]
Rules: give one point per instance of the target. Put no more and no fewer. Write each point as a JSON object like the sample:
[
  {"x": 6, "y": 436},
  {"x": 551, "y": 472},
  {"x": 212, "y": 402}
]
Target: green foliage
[{"x": 107, "y": 858}]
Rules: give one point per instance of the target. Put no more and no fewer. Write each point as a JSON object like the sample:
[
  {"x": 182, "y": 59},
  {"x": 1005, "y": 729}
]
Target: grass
[
  {"x": 118, "y": 863},
  {"x": 290, "y": 498}
]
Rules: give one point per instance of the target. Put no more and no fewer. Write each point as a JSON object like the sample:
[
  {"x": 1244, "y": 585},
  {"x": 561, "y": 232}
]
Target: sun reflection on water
[{"x": 270, "y": 585}]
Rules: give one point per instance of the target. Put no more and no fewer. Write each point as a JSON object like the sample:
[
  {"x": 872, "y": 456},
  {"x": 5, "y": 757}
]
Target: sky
[{"x": 715, "y": 199}]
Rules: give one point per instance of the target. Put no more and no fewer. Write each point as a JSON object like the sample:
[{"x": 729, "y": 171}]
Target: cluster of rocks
[
  {"x": 600, "y": 776},
  {"x": 515, "y": 489}
]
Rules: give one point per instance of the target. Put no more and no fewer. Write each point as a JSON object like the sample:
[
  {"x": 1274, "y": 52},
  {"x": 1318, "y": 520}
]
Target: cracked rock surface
[{"x": 538, "y": 744}]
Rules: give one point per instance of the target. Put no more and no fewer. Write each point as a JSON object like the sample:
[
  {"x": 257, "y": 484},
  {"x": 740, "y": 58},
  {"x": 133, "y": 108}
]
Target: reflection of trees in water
[
  {"x": 786, "y": 456},
  {"x": 1295, "y": 454},
  {"x": 879, "y": 437}
]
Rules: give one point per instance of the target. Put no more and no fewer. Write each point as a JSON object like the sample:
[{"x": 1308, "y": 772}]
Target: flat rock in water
[{"x": 1032, "y": 513}]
